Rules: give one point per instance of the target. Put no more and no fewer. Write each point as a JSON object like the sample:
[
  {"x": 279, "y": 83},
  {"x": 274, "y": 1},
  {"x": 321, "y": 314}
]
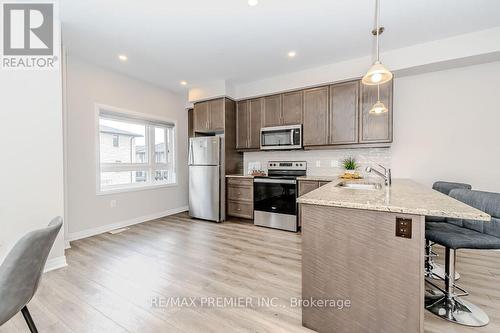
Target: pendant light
[
  {"x": 378, "y": 73},
  {"x": 379, "y": 107}
]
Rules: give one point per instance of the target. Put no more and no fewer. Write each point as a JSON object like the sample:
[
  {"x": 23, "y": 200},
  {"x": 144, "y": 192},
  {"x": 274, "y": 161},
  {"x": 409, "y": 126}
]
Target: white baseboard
[
  {"x": 108, "y": 227},
  {"x": 55, "y": 263},
  {"x": 67, "y": 245}
]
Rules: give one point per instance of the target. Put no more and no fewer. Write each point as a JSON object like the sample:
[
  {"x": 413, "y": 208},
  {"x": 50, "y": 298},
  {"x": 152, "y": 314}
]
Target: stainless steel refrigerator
[{"x": 207, "y": 178}]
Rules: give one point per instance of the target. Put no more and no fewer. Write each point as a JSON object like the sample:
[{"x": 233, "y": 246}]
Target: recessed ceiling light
[
  {"x": 183, "y": 83},
  {"x": 253, "y": 3},
  {"x": 292, "y": 54},
  {"x": 122, "y": 57}
]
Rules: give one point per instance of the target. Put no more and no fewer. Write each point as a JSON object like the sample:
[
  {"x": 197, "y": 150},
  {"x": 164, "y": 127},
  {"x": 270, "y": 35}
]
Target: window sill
[{"x": 135, "y": 189}]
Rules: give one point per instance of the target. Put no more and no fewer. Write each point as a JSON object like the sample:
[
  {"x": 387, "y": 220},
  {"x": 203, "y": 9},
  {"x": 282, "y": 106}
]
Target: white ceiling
[{"x": 201, "y": 40}]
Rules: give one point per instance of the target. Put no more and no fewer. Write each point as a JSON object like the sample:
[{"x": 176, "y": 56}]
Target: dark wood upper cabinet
[
  {"x": 272, "y": 111},
  {"x": 255, "y": 122},
  {"x": 200, "y": 117},
  {"x": 216, "y": 112},
  {"x": 248, "y": 123},
  {"x": 315, "y": 121},
  {"x": 242, "y": 124},
  {"x": 293, "y": 106},
  {"x": 334, "y": 115},
  {"x": 208, "y": 116},
  {"x": 344, "y": 111},
  {"x": 190, "y": 123},
  {"x": 375, "y": 128}
]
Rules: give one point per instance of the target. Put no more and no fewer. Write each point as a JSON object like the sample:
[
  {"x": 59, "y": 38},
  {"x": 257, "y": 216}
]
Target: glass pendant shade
[
  {"x": 378, "y": 108},
  {"x": 377, "y": 74}
]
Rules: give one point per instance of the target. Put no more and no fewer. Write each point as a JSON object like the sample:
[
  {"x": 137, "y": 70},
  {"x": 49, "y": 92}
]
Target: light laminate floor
[{"x": 112, "y": 280}]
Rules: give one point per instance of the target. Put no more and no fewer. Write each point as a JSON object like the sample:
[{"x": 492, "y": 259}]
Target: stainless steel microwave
[{"x": 281, "y": 137}]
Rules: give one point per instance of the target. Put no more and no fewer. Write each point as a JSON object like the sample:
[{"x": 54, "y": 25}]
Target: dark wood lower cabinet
[{"x": 239, "y": 193}]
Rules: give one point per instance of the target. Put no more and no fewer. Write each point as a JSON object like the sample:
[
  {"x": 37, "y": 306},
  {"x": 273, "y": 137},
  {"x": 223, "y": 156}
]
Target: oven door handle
[{"x": 274, "y": 181}]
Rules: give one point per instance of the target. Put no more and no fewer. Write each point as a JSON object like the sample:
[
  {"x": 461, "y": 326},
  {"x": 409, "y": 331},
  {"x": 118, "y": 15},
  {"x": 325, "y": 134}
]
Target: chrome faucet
[{"x": 386, "y": 175}]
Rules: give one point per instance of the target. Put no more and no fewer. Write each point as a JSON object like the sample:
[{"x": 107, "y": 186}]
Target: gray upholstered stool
[
  {"x": 21, "y": 270},
  {"x": 463, "y": 234},
  {"x": 432, "y": 268}
]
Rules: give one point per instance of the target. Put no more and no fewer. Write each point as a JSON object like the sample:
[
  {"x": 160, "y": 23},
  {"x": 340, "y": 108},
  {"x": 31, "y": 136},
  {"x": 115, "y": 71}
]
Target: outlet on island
[{"x": 403, "y": 227}]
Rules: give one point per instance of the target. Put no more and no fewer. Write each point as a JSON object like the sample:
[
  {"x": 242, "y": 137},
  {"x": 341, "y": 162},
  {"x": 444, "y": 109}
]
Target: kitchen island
[{"x": 363, "y": 247}]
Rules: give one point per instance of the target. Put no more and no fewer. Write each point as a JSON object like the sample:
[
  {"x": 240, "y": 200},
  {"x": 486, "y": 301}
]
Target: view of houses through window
[{"x": 135, "y": 152}]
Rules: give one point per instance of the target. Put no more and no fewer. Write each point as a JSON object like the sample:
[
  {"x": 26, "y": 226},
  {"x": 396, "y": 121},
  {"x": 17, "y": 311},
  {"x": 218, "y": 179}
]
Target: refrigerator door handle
[{"x": 190, "y": 154}]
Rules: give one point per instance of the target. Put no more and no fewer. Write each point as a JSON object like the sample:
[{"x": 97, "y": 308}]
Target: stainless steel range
[{"x": 275, "y": 195}]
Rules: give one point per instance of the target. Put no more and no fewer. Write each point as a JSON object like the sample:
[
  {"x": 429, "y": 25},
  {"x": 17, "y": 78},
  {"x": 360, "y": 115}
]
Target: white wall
[
  {"x": 447, "y": 126},
  {"x": 31, "y": 142},
  {"x": 89, "y": 213}
]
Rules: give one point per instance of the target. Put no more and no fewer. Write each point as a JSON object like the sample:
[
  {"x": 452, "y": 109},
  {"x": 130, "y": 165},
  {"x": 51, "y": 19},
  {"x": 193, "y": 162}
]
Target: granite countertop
[
  {"x": 239, "y": 176},
  {"x": 319, "y": 178},
  {"x": 403, "y": 196}
]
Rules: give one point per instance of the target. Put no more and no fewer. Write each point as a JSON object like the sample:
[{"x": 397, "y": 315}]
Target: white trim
[
  {"x": 108, "y": 227},
  {"x": 55, "y": 263},
  {"x": 64, "y": 69},
  {"x": 97, "y": 109},
  {"x": 134, "y": 188}
]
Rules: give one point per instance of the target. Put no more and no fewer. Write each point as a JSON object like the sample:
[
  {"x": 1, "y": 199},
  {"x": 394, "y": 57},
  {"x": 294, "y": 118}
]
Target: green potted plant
[{"x": 350, "y": 165}]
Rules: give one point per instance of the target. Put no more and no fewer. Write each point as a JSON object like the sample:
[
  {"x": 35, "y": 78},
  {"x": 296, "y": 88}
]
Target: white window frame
[{"x": 151, "y": 166}]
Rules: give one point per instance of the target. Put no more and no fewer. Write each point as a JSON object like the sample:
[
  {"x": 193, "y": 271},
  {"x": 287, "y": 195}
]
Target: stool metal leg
[
  {"x": 450, "y": 306},
  {"x": 432, "y": 268}
]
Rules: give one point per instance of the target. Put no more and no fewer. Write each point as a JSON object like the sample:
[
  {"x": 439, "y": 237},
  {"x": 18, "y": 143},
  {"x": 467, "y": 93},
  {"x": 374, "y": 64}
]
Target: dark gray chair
[
  {"x": 21, "y": 271},
  {"x": 432, "y": 268},
  {"x": 463, "y": 234}
]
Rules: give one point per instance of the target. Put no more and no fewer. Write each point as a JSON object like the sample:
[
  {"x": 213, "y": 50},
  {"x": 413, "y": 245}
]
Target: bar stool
[
  {"x": 463, "y": 234},
  {"x": 432, "y": 268}
]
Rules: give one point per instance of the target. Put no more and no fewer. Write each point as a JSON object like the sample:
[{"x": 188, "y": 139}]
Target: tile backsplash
[{"x": 322, "y": 162}]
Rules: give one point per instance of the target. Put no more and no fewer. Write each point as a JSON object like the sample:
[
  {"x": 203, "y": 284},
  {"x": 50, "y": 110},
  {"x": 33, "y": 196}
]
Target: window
[
  {"x": 116, "y": 140},
  {"x": 134, "y": 152}
]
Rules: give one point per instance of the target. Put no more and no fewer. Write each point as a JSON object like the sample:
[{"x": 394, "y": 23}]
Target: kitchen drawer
[
  {"x": 239, "y": 193},
  {"x": 240, "y": 181},
  {"x": 240, "y": 209}
]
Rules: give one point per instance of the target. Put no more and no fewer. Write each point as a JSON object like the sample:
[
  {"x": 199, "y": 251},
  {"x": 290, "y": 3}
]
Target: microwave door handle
[{"x": 291, "y": 138}]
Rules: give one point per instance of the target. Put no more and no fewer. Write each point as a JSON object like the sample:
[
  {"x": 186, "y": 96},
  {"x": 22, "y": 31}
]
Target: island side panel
[{"x": 350, "y": 254}]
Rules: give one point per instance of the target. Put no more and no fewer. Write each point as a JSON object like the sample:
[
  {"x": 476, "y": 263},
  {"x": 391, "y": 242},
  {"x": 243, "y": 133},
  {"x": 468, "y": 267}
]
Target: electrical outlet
[
  {"x": 112, "y": 203},
  {"x": 318, "y": 164},
  {"x": 403, "y": 227}
]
